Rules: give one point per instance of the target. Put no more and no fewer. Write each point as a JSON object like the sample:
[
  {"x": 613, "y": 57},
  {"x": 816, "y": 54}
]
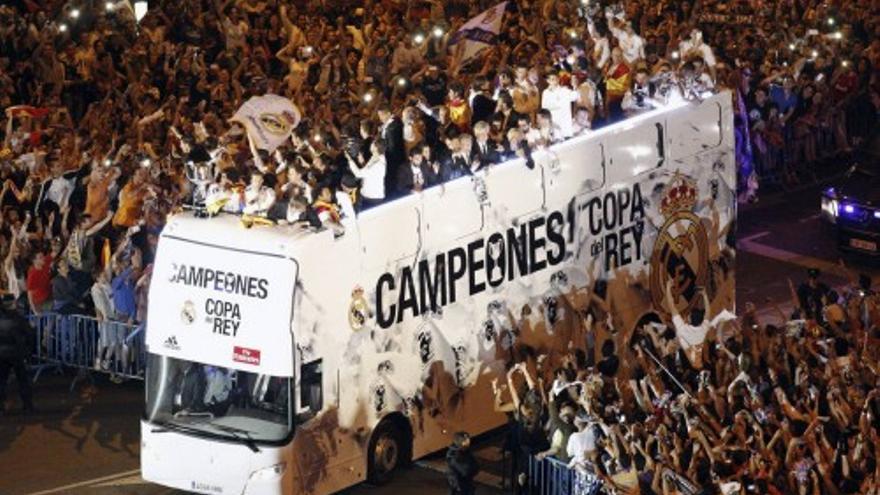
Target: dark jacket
[
  {"x": 15, "y": 333},
  {"x": 489, "y": 156},
  {"x": 395, "y": 152},
  {"x": 462, "y": 468},
  {"x": 406, "y": 179},
  {"x": 482, "y": 108}
]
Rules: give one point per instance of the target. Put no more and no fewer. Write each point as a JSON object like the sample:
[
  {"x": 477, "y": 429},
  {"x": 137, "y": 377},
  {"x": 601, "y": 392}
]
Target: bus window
[
  {"x": 696, "y": 130},
  {"x": 635, "y": 151},
  {"x": 451, "y": 211},
  {"x": 311, "y": 390},
  {"x": 516, "y": 186}
]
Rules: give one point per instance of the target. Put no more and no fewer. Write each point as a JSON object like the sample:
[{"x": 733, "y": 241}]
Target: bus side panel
[{"x": 425, "y": 335}]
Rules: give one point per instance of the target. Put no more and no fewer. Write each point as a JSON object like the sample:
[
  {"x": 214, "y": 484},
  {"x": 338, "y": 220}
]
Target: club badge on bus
[{"x": 681, "y": 252}]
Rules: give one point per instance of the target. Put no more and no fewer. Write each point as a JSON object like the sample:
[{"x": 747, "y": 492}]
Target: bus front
[{"x": 219, "y": 416}]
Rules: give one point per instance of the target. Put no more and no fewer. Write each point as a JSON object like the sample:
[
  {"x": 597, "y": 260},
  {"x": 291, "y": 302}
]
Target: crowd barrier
[
  {"x": 89, "y": 345},
  {"x": 550, "y": 476}
]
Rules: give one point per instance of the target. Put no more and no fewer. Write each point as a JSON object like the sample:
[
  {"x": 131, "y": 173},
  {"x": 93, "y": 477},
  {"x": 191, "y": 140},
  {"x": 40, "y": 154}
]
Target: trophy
[{"x": 201, "y": 174}]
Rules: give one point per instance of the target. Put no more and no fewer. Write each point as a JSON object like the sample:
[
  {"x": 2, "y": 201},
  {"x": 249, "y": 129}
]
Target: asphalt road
[{"x": 86, "y": 441}]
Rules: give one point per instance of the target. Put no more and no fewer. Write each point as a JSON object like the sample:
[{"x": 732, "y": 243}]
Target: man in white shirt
[
  {"x": 59, "y": 189},
  {"x": 372, "y": 175},
  {"x": 630, "y": 42},
  {"x": 582, "y": 445},
  {"x": 694, "y": 47},
  {"x": 692, "y": 336},
  {"x": 558, "y": 99},
  {"x": 257, "y": 197}
]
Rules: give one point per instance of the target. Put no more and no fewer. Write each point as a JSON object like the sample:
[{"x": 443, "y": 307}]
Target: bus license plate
[{"x": 864, "y": 245}]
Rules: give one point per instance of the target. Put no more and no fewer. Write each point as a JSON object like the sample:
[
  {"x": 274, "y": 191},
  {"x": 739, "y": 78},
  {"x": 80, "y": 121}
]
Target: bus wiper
[
  {"x": 191, "y": 414},
  {"x": 169, "y": 427},
  {"x": 242, "y": 435}
]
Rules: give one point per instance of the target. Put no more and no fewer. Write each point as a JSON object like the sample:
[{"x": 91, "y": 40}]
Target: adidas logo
[{"x": 171, "y": 343}]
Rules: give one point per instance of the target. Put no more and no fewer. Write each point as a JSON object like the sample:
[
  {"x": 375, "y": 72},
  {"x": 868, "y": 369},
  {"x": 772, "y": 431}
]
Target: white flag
[
  {"x": 479, "y": 33},
  {"x": 269, "y": 120}
]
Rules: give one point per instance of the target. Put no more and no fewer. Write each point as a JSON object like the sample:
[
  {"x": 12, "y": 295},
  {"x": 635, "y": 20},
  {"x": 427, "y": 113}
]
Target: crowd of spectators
[
  {"x": 102, "y": 112},
  {"x": 784, "y": 407}
]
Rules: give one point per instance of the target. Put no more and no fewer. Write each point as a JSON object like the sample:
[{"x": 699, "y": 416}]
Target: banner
[
  {"x": 269, "y": 120},
  {"x": 479, "y": 33},
  {"x": 26, "y": 111}
]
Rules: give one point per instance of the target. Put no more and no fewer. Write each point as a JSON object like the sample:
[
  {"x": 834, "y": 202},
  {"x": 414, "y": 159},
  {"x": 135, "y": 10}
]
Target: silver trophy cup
[{"x": 201, "y": 175}]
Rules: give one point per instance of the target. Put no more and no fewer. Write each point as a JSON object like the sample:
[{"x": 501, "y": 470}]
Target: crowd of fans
[
  {"x": 103, "y": 113},
  {"x": 788, "y": 407}
]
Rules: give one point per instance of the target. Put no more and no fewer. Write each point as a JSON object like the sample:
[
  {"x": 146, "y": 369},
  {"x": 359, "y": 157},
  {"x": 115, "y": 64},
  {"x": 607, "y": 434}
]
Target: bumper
[
  {"x": 858, "y": 241},
  {"x": 213, "y": 467}
]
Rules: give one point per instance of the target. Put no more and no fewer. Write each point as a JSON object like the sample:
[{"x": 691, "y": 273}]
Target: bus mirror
[{"x": 315, "y": 399}]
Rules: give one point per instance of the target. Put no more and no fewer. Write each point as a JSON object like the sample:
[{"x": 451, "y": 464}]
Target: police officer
[
  {"x": 462, "y": 465},
  {"x": 15, "y": 333}
]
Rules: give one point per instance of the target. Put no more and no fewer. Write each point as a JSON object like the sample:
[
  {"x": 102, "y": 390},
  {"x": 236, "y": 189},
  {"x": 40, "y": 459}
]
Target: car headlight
[
  {"x": 269, "y": 473},
  {"x": 830, "y": 206}
]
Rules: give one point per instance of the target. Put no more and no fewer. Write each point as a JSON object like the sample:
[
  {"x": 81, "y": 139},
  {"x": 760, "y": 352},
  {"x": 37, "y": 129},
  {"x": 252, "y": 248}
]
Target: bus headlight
[{"x": 269, "y": 473}]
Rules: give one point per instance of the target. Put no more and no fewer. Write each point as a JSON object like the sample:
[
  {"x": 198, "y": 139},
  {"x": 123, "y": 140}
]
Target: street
[{"x": 86, "y": 441}]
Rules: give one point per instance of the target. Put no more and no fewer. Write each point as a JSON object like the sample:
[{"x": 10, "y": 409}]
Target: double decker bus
[{"x": 285, "y": 360}]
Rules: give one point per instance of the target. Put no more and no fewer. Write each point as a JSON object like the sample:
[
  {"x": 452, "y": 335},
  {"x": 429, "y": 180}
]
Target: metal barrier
[
  {"x": 88, "y": 344},
  {"x": 551, "y": 476}
]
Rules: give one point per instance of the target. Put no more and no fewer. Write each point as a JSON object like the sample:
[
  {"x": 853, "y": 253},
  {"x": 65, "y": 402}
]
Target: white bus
[{"x": 284, "y": 360}]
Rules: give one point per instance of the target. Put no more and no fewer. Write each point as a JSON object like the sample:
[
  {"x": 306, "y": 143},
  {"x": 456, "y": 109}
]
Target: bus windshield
[{"x": 213, "y": 401}]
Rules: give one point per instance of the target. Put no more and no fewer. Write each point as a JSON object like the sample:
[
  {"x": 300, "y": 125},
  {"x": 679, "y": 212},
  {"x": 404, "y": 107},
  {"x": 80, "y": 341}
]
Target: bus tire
[{"x": 387, "y": 451}]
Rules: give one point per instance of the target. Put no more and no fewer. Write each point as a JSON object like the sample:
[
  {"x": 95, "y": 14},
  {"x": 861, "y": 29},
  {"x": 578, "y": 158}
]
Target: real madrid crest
[
  {"x": 188, "y": 313},
  {"x": 681, "y": 252},
  {"x": 358, "y": 311}
]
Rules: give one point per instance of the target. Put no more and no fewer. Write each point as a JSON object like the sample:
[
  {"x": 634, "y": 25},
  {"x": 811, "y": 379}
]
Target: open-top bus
[{"x": 284, "y": 360}]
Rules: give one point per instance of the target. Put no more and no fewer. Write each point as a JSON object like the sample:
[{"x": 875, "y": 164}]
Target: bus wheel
[{"x": 386, "y": 453}]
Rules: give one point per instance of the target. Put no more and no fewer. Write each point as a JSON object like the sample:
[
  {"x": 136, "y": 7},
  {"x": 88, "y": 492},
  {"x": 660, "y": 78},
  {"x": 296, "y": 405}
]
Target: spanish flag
[{"x": 617, "y": 81}]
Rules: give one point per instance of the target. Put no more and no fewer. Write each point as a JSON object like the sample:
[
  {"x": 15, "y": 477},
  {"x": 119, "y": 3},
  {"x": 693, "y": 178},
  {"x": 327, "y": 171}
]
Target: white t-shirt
[
  {"x": 373, "y": 177},
  {"x": 558, "y": 100},
  {"x": 687, "y": 46},
  {"x": 689, "y": 335},
  {"x": 580, "y": 444},
  {"x": 59, "y": 191},
  {"x": 632, "y": 45},
  {"x": 258, "y": 201}
]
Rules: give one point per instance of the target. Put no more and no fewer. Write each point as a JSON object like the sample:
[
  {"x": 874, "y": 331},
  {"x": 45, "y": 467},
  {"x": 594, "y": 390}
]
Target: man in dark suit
[
  {"x": 482, "y": 104},
  {"x": 391, "y": 133},
  {"x": 483, "y": 149},
  {"x": 504, "y": 111},
  {"x": 414, "y": 176}
]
